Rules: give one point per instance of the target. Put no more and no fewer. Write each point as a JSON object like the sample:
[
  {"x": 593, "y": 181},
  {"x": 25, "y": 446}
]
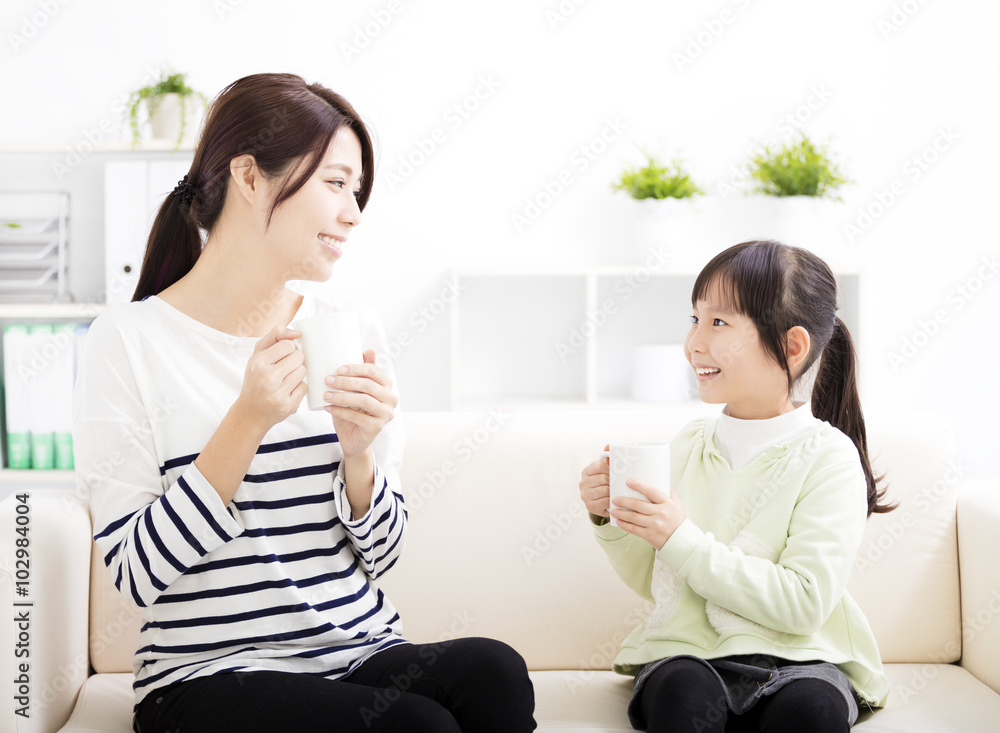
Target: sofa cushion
[
  {"x": 906, "y": 574},
  {"x": 926, "y": 697},
  {"x": 499, "y": 544}
]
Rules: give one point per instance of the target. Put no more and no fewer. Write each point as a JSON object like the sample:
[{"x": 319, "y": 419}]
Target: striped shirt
[{"x": 281, "y": 578}]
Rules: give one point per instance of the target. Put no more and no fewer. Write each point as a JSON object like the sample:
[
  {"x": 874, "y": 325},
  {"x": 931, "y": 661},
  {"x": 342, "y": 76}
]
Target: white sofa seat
[{"x": 502, "y": 489}]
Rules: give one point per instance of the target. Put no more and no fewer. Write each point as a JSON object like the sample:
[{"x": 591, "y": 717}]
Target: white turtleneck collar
[{"x": 740, "y": 441}]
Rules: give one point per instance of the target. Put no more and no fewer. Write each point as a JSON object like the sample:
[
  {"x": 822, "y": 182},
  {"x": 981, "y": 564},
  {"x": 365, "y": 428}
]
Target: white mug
[
  {"x": 645, "y": 462},
  {"x": 328, "y": 342}
]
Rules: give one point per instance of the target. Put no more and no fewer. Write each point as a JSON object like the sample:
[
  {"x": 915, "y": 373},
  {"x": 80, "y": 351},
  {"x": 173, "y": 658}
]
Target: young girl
[
  {"x": 248, "y": 528},
  {"x": 748, "y": 552}
]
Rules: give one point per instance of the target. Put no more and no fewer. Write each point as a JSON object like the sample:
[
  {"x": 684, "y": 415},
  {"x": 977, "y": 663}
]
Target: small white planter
[
  {"x": 676, "y": 230},
  {"x": 165, "y": 114}
]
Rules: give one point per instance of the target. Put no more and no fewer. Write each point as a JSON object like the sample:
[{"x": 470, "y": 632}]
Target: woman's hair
[
  {"x": 779, "y": 287},
  {"x": 276, "y": 118}
]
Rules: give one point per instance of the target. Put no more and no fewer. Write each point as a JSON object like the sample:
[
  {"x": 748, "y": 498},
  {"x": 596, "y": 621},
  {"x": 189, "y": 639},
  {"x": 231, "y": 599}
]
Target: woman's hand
[
  {"x": 364, "y": 405},
  {"x": 654, "y": 520},
  {"x": 272, "y": 382},
  {"x": 595, "y": 487}
]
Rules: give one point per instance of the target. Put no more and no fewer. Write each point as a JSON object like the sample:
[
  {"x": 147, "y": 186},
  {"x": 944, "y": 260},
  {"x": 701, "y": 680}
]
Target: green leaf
[
  {"x": 798, "y": 169},
  {"x": 656, "y": 181}
]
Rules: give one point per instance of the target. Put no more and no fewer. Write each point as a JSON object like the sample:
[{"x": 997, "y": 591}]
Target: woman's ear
[
  {"x": 246, "y": 176},
  {"x": 797, "y": 347}
]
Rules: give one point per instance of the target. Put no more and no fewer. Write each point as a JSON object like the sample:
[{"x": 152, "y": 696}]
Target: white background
[{"x": 879, "y": 82}]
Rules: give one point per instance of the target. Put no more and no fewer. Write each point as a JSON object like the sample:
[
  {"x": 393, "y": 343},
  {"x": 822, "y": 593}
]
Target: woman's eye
[
  {"x": 357, "y": 194},
  {"x": 337, "y": 183}
]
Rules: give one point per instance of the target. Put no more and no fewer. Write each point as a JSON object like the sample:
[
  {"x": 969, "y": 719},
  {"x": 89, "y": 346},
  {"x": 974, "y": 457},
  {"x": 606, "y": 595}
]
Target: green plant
[
  {"x": 656, "y": 181},
  {"x": 798, "y": 169},
  {"x": 173, "y": 84}
]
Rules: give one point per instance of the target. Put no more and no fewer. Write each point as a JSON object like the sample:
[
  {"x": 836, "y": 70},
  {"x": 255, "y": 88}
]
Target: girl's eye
[{"x": 718, "y": 322}]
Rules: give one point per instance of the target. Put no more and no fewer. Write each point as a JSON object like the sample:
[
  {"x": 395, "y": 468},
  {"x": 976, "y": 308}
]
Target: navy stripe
[
  {"x": 269, "y": 448},
  {"x": 236, "y": 590},
  {"x": 176, "y": 462},
  {"x": 154, "y": 581},
  {"x": 256, "y": 640},
  {"x": 115, "y": 525},
  {"x": 200, "y": 662},
  {"x": 388, "y": 552},
  {"x": 299, "y": 443},
  {"x": 317, "y": 470},
  {"x": 292, "y": 529},
  {"x": 245, "y": 506},
  {"x": 345, "y": 601},
  {"x": 182, "y": 529},
  {"x": 271, "y": 558},
  {"x": 258, "y": 613},
  {"x": 158, "y": 543},
  {"x": 202, "y": 509}
]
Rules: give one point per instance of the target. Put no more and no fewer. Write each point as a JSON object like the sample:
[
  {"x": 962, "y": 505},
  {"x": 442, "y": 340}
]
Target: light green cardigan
[{"x": 761, "y": 563}]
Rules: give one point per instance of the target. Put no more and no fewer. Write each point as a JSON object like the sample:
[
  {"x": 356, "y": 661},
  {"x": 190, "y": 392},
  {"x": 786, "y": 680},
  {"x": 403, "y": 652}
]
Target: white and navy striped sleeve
[
  {"x": 377, "y": 538},
  {"x": 149, "y": 534}
]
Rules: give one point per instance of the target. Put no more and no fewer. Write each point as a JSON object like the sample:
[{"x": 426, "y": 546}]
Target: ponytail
[
  {"x": 284, "y": 124},
  {"x": 835, "y": 400},
  {"x": 174, "y": 243}
]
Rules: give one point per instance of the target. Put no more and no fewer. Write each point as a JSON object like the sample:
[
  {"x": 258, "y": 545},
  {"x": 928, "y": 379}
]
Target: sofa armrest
[
  {"x": 979, "y": 572},
  {"x": 43, "y": 634}
]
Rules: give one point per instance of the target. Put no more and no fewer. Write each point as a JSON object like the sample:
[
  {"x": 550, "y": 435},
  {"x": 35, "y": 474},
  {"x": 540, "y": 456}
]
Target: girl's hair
[
  {"x": 276, "y": 118},
  {"x": 779, "y": 287}
]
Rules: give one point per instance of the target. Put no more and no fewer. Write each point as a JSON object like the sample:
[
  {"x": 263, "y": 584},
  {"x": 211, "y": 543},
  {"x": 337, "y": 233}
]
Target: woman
[{"x": 248, "y": 528}]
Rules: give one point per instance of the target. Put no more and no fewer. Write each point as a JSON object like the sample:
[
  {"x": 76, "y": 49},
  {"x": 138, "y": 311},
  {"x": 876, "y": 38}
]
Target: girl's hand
[
  {"x": 654, "y": 520},
  {"x": 364, "y": 406},
  {"x": 272, "y": 382},
  {"x": 595, "y": 487}
]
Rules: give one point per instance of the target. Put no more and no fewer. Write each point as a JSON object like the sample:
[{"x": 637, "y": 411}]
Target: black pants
[
  {"x": 684, "y": 696},
  {"x": 461, "y": 686}
]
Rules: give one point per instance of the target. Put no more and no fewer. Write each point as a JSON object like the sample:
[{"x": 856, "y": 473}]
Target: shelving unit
[
  {"x": 579, "y": 329},
  {"x": 34, "y": 227},
  {"x": 13, "y": 480}
]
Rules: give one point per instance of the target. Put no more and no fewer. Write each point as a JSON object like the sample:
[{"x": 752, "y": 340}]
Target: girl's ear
[{"x": 797, "y": 346}]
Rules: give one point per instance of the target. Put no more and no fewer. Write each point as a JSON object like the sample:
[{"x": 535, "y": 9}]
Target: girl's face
[
  {"x": 308, "y": 231},
  {"x": 730, "y": 364}
]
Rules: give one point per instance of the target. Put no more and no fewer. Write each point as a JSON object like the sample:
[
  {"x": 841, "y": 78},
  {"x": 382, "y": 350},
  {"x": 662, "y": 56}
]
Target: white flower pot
[
  {"x": 165, "y": 117},
  {"x": 678, "y": 231}
]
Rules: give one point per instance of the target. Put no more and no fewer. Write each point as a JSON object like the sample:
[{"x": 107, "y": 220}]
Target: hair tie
[{"x": 184, "y": 189}]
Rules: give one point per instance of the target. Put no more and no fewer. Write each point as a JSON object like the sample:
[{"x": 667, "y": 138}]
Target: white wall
[{"x": 884, "y": 80}]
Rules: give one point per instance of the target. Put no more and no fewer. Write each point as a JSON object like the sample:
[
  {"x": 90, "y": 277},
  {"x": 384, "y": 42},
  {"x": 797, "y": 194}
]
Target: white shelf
[
  {"x": 33, "y": 476},
  {"x": 46, "y": 311},
  {"x": 550, "y": 338},
  {"x": 110, "y": 146}
]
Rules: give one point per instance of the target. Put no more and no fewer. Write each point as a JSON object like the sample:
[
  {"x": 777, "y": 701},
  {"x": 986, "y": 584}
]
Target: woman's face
[{"x": 308, "y": 231}]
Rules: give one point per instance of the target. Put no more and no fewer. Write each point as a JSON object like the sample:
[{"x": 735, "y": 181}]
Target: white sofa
[{"x": 499, "y": 546}]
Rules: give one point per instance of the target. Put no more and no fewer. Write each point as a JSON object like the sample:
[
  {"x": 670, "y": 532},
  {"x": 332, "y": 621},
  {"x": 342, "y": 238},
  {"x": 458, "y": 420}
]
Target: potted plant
[
  {"x": 169, "y": 106},
  {"x": 801, "y": 181},
  {"x": 797, "y": 169},
  {"x": 665, "y": 220}
]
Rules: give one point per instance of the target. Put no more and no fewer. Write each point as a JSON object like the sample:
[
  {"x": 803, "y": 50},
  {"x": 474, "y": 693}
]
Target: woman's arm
[
  {"x": 366, "y": 486},
  {"x": 150, "y": 534}
]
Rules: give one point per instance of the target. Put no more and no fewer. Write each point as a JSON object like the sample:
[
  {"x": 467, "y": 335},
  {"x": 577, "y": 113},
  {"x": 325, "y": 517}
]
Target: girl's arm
[
  {"x": 631, "y": 557},
  {"x": 796, "y": 593}
]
